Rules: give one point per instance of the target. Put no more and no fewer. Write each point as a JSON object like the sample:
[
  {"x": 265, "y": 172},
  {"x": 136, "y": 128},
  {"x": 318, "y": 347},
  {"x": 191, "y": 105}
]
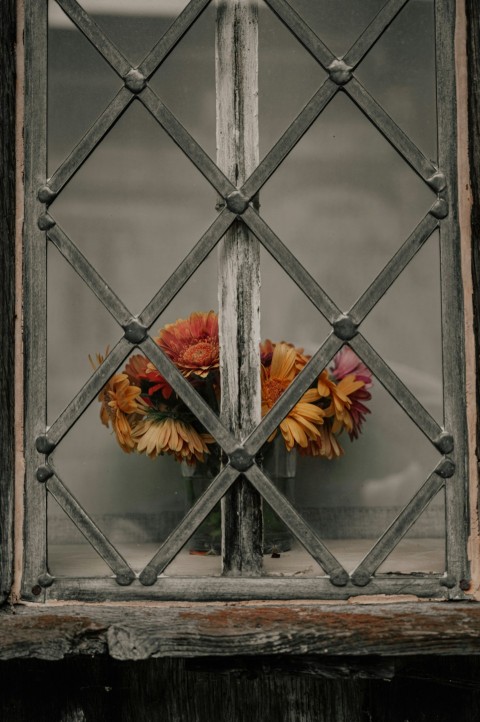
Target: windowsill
[{"x": 131, "y": 631}]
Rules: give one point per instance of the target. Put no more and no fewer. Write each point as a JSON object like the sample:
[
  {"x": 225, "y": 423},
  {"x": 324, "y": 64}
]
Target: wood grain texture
[
  {"x": 239, "y": 272},
  {"x": 134, "y": 632},
  {"x": 7, "y": 286},
  {"x": 473, "y": 51},
  {"x": 423, "y": 689}
]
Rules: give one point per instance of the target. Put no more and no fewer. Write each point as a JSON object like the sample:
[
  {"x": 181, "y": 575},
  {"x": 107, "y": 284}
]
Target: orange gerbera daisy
[
  {"x": 302, "y": 423},
  {"x": 192, "y": 343},
  {"x": 170, "y": 436}
]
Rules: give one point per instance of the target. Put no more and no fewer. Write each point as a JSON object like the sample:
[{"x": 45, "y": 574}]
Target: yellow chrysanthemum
[
  {"x": 301, "y": 425},
  {"x": 170, "y": 436}
]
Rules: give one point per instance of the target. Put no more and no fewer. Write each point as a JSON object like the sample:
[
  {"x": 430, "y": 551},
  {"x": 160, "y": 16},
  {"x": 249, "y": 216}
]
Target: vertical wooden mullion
[
  {"x": 452, "y": 298},
  {"x": 239, "y": 272},
  {"x": 7, "y": 302}
]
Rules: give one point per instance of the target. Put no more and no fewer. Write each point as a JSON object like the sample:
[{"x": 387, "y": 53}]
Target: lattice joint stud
[
  {"x": 240, "y": 459},
  {"x": 135, "y": 81},
  {"x": 43, "y": 473},
  {"x": 44, "y": 445},
  {"x": 237, "y": 202},
  {"x": 125, "y": 578},
  {"x": 45, "y": 222},
  {"x": 437, "y": 181},
  {"x": 439, "y": 209},
  {"x": 339, "y": 577},
  {"x": 445, "y": 468},
  {"x": 148, "y": 577},
  {"x": 340, "y": 72},
  {"x": 361, "y": 577},
  {"x": 46, "y": 195},
  {"x": 46, "y": 580},
  {"x": 135, "y": 332},
  {"x": 345, "y": 328},
  {"x": 444, "y": 443}
]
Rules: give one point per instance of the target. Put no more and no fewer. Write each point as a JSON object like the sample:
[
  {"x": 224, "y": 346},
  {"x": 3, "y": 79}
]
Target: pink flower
[{"x": 346, "y": 362}]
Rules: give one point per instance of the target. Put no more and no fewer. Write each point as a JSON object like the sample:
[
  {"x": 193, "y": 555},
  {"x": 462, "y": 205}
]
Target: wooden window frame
[{"x": 319, "y": 628}]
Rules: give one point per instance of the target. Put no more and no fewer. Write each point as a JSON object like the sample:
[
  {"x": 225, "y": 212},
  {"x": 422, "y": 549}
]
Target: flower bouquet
[{"x": 148, "y": 417}]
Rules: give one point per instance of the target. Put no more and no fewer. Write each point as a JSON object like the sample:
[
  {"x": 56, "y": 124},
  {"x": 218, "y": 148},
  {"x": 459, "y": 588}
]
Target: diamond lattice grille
[{"x": 239, "y": 205}]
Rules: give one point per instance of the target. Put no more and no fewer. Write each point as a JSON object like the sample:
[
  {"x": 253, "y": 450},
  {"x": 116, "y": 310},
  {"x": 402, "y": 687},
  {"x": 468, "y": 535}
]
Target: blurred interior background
[{"x": 343, "y": 201}]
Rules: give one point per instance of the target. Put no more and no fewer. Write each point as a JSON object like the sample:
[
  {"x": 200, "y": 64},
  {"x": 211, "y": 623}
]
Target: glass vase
[{"x": 279, "y": 465}]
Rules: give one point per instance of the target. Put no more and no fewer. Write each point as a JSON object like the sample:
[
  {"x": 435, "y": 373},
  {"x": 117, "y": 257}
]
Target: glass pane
[
  {"x": 338, "y": 22},
  {"x": 399, "y": 72},
  {"x": 74, "y": 330},
  {"x": 423, "y": 547},
  {"x": 344, "y": 201},
  {"x": 134, "y": 27},
  {"x": 351, "y": 499},
  {"x": 288, "y": 77},
  {"x": 126, "y": 207},
  {"x": 186, "y": 81},
  {"x": 80, "y": 86},
  {"x": 405, "y": 328}
]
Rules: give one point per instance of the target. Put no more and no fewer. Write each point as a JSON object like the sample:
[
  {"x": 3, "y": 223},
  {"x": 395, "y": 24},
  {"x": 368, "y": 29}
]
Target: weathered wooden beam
[
  {"x": 132, "y": 631},
  {"x": 473, "y": 51},
  {"x": 239, "y": 272},
  {"x": 7, "y": 286}
]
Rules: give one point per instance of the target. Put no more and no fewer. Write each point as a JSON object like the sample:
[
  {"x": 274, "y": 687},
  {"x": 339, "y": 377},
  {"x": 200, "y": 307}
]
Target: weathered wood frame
[{"x": 8, "y": 366}]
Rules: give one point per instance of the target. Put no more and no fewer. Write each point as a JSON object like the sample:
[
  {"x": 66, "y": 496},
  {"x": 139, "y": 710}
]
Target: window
[{"x": 241, "y": 230}]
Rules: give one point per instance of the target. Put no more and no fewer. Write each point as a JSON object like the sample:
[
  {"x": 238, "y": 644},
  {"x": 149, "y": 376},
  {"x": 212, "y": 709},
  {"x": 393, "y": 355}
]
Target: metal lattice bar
[
  {"x": 302, "y": 31},
  {"x": 390, "y": 130},
  {"x": 189, "y": 395},
  {"x": 290, "y": 138},
  {"x": 179, "y": 537},
  {"x": 187, "y": 267},
  {"x": 90, "y": 140},
  {"x": 95, "y": 537},
  {"x": 89, "y": 275},
  {"x": 292, "y": 394},
  {"x": 304, "y": 533},
  {"x": 393, "y": 269},
  {"x": 397, "y": 389},
  {"x": 397, "y": 529},
  {"x": 373, "y": 32},
  {"x": 87, "y": 25},
  {"x": 172, "y": 36},
  {"x": 291, "y": 265},
  {"x": 88, "y": 392},
  {"x": 185, "y": 142}
]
